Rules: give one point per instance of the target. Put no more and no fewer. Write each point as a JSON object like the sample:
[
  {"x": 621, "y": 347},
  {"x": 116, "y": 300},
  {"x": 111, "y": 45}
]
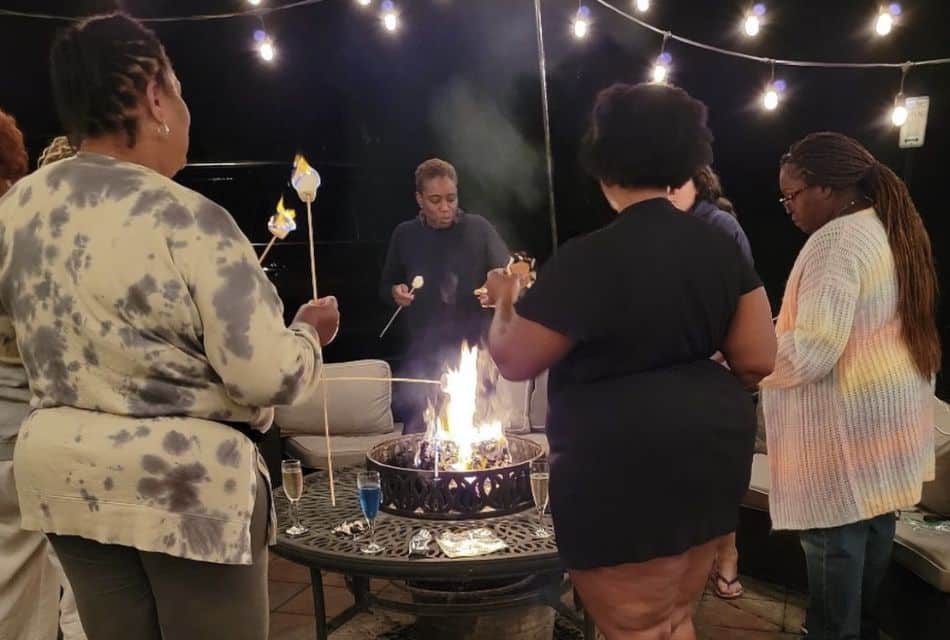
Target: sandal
[{"x": 725, "y": 594}]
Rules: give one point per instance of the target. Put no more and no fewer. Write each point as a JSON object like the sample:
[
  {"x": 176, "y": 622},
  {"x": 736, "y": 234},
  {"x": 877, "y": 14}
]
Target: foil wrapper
[{"x": 470, "y": 543}]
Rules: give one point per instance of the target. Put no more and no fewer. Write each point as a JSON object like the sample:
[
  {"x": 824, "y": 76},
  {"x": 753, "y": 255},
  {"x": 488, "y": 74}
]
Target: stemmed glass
[
  {"x": 540, "y": 474},
  {"x": 292, "y": 476},
  {"x": 371, "y": 496}
]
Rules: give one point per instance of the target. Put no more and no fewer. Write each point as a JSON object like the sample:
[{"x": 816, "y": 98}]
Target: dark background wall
[{"x": 460, "y": 80}]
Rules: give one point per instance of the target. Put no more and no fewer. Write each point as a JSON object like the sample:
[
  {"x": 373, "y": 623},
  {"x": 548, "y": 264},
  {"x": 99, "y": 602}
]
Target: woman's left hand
[{"x": 499, "y": 285}]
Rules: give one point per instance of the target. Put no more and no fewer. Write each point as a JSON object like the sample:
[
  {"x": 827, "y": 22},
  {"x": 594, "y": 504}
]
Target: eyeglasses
[{"x": 787, "y": 200}]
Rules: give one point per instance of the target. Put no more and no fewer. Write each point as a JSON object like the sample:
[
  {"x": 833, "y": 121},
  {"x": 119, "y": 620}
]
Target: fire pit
[{"x": 452, "y": 494}]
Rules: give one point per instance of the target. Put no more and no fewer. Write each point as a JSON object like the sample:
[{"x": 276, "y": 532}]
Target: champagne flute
[
  {"x": 292, "y": 476},
  {"x": 371, "y": 496},
  {"x": 540, "y": 474}
]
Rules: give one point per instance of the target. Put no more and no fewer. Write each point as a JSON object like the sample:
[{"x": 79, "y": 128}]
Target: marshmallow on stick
[
  {"x": 417, "y": 283},
  {"x": 520, "y": 263},
  {"x": 306, "y": 181},
  {"x": 280, "y": 225}
]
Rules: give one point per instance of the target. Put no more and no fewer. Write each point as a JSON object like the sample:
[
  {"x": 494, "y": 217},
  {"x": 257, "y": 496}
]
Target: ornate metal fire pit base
[{"x": 453, "y": 495}]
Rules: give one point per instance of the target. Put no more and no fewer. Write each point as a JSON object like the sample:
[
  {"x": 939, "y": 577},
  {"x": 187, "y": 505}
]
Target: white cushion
[
  {"x": 936, "y": 494},
  {"x": 348, "y": 451},
  {"x": 354, "y": 407}
]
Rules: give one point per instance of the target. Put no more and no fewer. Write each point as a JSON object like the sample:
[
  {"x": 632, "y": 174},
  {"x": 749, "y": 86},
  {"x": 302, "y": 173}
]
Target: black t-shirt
[{"x": 653, "y": 292}]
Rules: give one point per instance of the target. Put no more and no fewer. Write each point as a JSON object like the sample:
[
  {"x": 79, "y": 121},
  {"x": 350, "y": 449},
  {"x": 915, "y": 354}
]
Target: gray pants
[{"x": 126, "y": 593}]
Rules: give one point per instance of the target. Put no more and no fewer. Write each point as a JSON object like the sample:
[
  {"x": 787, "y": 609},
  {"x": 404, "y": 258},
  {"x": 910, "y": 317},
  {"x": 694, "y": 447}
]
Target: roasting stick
[{"x": 417, "y": 283}]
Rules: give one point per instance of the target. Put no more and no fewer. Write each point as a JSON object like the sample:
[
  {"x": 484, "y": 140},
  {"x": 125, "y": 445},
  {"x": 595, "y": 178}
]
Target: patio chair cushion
[
  {"x": 757, "y": 497},
  {"x": 925, "y": 552},
  {"x": 348, "y": 451},
  {"x": 354, "y": 407},
  {"x": 936, "y": 495}
]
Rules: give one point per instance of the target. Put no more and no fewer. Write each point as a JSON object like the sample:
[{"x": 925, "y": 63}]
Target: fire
[
  {"x": 457, "y": 424},
  {"x": 285, "y": 215},
  {"x": 301, "y": 165}
]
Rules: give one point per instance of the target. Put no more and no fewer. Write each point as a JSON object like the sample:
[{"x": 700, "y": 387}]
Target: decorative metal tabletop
[{"x": 321, "y": 547}]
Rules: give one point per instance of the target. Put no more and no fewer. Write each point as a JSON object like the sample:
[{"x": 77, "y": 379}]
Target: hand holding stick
[{"x": 417, "y": 283}]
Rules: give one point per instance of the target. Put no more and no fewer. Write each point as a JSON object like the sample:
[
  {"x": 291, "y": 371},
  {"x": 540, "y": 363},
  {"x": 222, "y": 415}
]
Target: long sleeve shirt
[
  {"x": 848, "y": 416},
  {"x": 453, "y": 262},
  {"x": 144, "y": 324}
]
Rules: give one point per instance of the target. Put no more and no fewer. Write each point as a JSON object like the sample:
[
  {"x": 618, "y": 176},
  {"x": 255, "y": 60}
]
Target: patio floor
[{"x": 765, "y": 612}]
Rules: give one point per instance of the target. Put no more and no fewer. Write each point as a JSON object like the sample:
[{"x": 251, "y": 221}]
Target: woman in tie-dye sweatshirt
[
  {"x": 148, "y": 333},
  {"x": 849, "y": 407}
]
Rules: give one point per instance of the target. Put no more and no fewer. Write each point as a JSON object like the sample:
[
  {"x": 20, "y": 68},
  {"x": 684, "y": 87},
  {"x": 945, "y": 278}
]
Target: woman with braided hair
[
  {"x": 849, "y": 407},
  {"x": 155, "y": 349}
]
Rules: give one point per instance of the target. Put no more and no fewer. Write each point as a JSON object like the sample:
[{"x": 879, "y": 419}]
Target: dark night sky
[{"x": 460, "y": 80}]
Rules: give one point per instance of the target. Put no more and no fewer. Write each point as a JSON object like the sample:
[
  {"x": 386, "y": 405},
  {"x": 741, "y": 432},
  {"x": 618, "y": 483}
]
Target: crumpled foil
[{"x": 474, "y": 542}]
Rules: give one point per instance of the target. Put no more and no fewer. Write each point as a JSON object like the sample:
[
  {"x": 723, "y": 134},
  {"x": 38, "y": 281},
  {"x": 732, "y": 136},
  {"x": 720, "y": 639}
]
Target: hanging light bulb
[
  {"x": 643, "y": 5},
  {"x": 661, "y": 70},
  {"x": 364, "y": 3},
  {"x": 753, "y": 20},
  {"x": 254, "y": 3},
  {"x": 389, "y": 15},
  {"x": 899, "y": 112},
  {"x": 581, "y": 25},
  {"x": 886, "y": 18},
  {"x": 267, "y": 50},
  {"x": 770, "y": 98}
]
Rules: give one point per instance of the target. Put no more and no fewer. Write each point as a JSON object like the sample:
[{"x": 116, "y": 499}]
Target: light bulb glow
[
  {"x": 254, "y": 3},
  {"x": 581, "y": 27},
  {"x": 899, "y": 115},
  {"x": 894, "y": 9},
  {"x": 758, "y": 9},
  {"x": 643, "y": 6},
  {"x": 364, "y": 3},
  {"x": 752, "y": 25},
  {"x": 390, "y": 21},
  {"x": 770, "y": 99},
  {"x": 267, "y": 50},
  {"x": 660, "y": 73},
  {"x": 884, "y": 23}
]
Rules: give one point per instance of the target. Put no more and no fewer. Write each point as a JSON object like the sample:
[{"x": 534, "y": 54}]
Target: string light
[
  {"x": 389, "y": 16},
  {"x": 642, "y": 5},
  {"x": 661, "y": 68},
  {"x": 753, "y": 20},
  {"x": 267, "y": 49},
  {"x": 886, "y": 18},
  {"x": 899, "y": 112},
  {"x": 581, "y": 24},
  {"x": 773, "y": 91},
  {"x": 364, "y": 3},
  {"x": 254, "y": 3}
]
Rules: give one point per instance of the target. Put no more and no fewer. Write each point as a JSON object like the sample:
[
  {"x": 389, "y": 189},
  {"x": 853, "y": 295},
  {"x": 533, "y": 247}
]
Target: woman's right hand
[{"x": 323, "y": 315}]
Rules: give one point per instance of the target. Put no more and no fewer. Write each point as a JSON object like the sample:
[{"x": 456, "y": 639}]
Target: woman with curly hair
[{"x": 651, "y": 440}]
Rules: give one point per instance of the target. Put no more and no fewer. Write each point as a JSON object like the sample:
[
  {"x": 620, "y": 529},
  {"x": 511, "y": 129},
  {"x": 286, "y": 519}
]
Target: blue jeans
[{"x": 846, "y": 566}]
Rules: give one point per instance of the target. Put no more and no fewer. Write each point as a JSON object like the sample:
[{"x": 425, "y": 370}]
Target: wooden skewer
[
  {"x": 267, "y": 249},
  {"x": 313, "y": 261},
  {"x": 326, "y": 433}
]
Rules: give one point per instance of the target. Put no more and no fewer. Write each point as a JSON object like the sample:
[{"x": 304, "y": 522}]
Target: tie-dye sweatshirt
[
  {"x": 142, "y": 318},
  {"x": 849, "y": 418}
]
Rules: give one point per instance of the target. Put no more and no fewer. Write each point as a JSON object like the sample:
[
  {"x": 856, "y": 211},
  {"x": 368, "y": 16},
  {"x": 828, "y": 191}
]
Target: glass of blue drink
[{"x": 371, "y": 496}]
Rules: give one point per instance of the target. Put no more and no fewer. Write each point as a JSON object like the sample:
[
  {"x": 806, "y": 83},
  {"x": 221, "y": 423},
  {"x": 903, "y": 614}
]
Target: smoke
[{"x": 483, "y": 143}]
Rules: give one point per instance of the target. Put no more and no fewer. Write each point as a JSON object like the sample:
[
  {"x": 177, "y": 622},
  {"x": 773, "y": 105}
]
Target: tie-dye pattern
[
  {"x": 849, "y": 418},
  {"x": 141, "y": 317}
]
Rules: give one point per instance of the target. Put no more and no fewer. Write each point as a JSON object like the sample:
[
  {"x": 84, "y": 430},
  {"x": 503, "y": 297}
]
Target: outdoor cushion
[
  {"x": 348, "y": 451},
  {"x": 757, "y": 497},
  {"x": 355, "y": 408},
  {"x": 925, "y": 552},
  {"x": 936, "y": 494}
]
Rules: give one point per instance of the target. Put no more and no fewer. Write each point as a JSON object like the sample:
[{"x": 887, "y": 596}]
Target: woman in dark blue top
[{"x": 651, "y": 441}]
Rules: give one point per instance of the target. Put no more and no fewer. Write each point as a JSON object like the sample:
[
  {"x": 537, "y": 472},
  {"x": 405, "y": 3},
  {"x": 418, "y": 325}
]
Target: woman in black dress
[{"x": 651, "y": 440}]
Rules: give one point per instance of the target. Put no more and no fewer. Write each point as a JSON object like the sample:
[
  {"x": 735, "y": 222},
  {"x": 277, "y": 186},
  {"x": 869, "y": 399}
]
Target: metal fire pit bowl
[{"x": 453, "y": 495}]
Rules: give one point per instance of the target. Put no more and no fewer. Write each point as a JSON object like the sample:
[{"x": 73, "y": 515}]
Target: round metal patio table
[{"x": 533, "y": 560}]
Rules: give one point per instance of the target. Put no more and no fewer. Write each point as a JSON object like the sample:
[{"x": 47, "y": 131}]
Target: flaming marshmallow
[
  {"x": 305, "y": 179},
  {"x": 283, "y": 222}
]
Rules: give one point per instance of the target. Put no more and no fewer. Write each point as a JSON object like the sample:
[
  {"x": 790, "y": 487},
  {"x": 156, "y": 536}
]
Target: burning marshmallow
[
  {"x": 305, "y": 179},
  {"x": 283, "y": 222}
]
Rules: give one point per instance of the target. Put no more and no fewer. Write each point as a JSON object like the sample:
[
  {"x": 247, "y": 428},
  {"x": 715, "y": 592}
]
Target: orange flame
[
  {"x": 284, "y": 214},
  {"x": 301, "y": 165}
]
